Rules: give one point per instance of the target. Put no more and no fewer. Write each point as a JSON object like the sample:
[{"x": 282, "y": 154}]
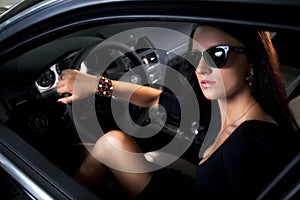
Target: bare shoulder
[{"x": 259, "y": 114}]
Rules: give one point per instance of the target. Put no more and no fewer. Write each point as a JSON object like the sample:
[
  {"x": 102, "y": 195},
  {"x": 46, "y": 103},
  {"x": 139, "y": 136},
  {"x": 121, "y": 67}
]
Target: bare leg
[{"x": 106, "y": 155}]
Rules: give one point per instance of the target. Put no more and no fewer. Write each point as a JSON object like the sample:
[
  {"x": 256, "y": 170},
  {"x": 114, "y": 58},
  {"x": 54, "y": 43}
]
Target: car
[{"x": 43, "y": 143}]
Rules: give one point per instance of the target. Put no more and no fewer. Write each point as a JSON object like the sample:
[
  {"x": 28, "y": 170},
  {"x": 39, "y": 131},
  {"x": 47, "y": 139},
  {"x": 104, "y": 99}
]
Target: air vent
[{"x": 150, "y": 58}]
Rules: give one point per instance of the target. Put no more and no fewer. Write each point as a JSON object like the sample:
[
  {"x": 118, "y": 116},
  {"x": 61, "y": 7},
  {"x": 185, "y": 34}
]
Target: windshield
[
  {"x": 14, "y": 7},
  {"x": 8, "y": 3}
]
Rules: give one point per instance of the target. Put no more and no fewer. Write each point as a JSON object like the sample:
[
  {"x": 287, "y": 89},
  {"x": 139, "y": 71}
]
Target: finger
[
  {"x": 66, "y": 75},
  {"x": 65, "y": 100},
  {"x": 59, "y": 84},
  {"x": 69, "y": 72},
  {"x": 61, "y": 77},
  {"x": 63, "y": 88}
]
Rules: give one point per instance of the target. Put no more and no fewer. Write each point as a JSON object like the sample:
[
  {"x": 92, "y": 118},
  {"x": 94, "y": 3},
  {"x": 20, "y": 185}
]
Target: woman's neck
[{"x": 234, "y": 110}]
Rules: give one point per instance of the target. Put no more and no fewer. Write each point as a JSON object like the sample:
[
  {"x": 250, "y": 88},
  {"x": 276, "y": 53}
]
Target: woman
[{"x": 237, "y": 68}]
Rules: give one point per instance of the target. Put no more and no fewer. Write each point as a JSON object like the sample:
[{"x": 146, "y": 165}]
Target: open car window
[{"x": 47, "y": 141}]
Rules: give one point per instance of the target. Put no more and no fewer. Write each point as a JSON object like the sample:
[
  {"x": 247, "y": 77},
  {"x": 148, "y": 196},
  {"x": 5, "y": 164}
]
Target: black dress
[
  {"x": 240, "y": 168},
  {"x": 246, "y": 162}
]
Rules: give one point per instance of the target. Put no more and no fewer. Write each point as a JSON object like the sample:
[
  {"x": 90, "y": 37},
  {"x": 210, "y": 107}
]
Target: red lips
[{"x": 207, "y": 83}]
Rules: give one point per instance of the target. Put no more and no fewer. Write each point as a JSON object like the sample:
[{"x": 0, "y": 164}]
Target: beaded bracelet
[{"x": 105, "y": 87}]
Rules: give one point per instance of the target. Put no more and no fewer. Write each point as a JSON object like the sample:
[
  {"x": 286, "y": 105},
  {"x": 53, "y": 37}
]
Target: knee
[{"x": 115, "y": 138}]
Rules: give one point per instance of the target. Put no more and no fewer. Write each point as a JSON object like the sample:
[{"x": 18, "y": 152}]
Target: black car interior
[{"x": 29, "y": 100}]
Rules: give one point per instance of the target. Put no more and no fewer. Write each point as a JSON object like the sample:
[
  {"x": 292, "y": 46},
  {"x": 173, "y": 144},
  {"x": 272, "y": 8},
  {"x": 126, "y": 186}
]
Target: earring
[{"x": 249, "y": 76}]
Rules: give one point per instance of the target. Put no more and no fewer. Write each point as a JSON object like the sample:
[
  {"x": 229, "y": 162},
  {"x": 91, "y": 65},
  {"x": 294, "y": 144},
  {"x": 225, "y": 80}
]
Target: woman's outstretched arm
[{"x": 81, "y": 85}]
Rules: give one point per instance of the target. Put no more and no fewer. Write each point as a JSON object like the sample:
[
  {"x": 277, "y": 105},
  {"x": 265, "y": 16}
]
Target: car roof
[
  {"x": 32, "y": 17},
  {"x": 25, "y": 4}
]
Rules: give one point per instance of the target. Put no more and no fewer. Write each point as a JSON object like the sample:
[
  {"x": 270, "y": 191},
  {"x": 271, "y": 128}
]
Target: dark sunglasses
[{"x": 215, "y": 57}]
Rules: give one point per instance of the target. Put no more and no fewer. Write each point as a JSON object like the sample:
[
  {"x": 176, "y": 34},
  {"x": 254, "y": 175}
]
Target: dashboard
[{"x": 46, "y": 83}]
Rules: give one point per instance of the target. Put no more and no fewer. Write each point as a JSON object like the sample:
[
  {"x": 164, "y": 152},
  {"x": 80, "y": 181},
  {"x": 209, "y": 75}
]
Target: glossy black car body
[{"x": 38, "y": 155}]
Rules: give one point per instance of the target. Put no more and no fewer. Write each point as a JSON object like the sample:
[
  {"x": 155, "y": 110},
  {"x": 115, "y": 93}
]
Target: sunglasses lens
[
  {"x": 193, "y": 58},
  {"x": 216, "y": 57}
]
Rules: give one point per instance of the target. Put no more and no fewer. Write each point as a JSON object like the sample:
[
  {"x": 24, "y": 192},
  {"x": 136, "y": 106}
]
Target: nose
[{"x": 203, "y": 68}]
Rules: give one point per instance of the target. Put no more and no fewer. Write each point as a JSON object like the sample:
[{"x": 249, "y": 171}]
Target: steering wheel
[{"x": 113, "y": 60}]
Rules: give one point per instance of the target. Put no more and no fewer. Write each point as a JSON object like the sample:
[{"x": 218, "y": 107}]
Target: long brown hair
[{"x": 268, "y": 87}]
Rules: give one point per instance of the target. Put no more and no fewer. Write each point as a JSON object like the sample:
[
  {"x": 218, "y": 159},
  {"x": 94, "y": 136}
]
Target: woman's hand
[{"x": 79, "y": 85}]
